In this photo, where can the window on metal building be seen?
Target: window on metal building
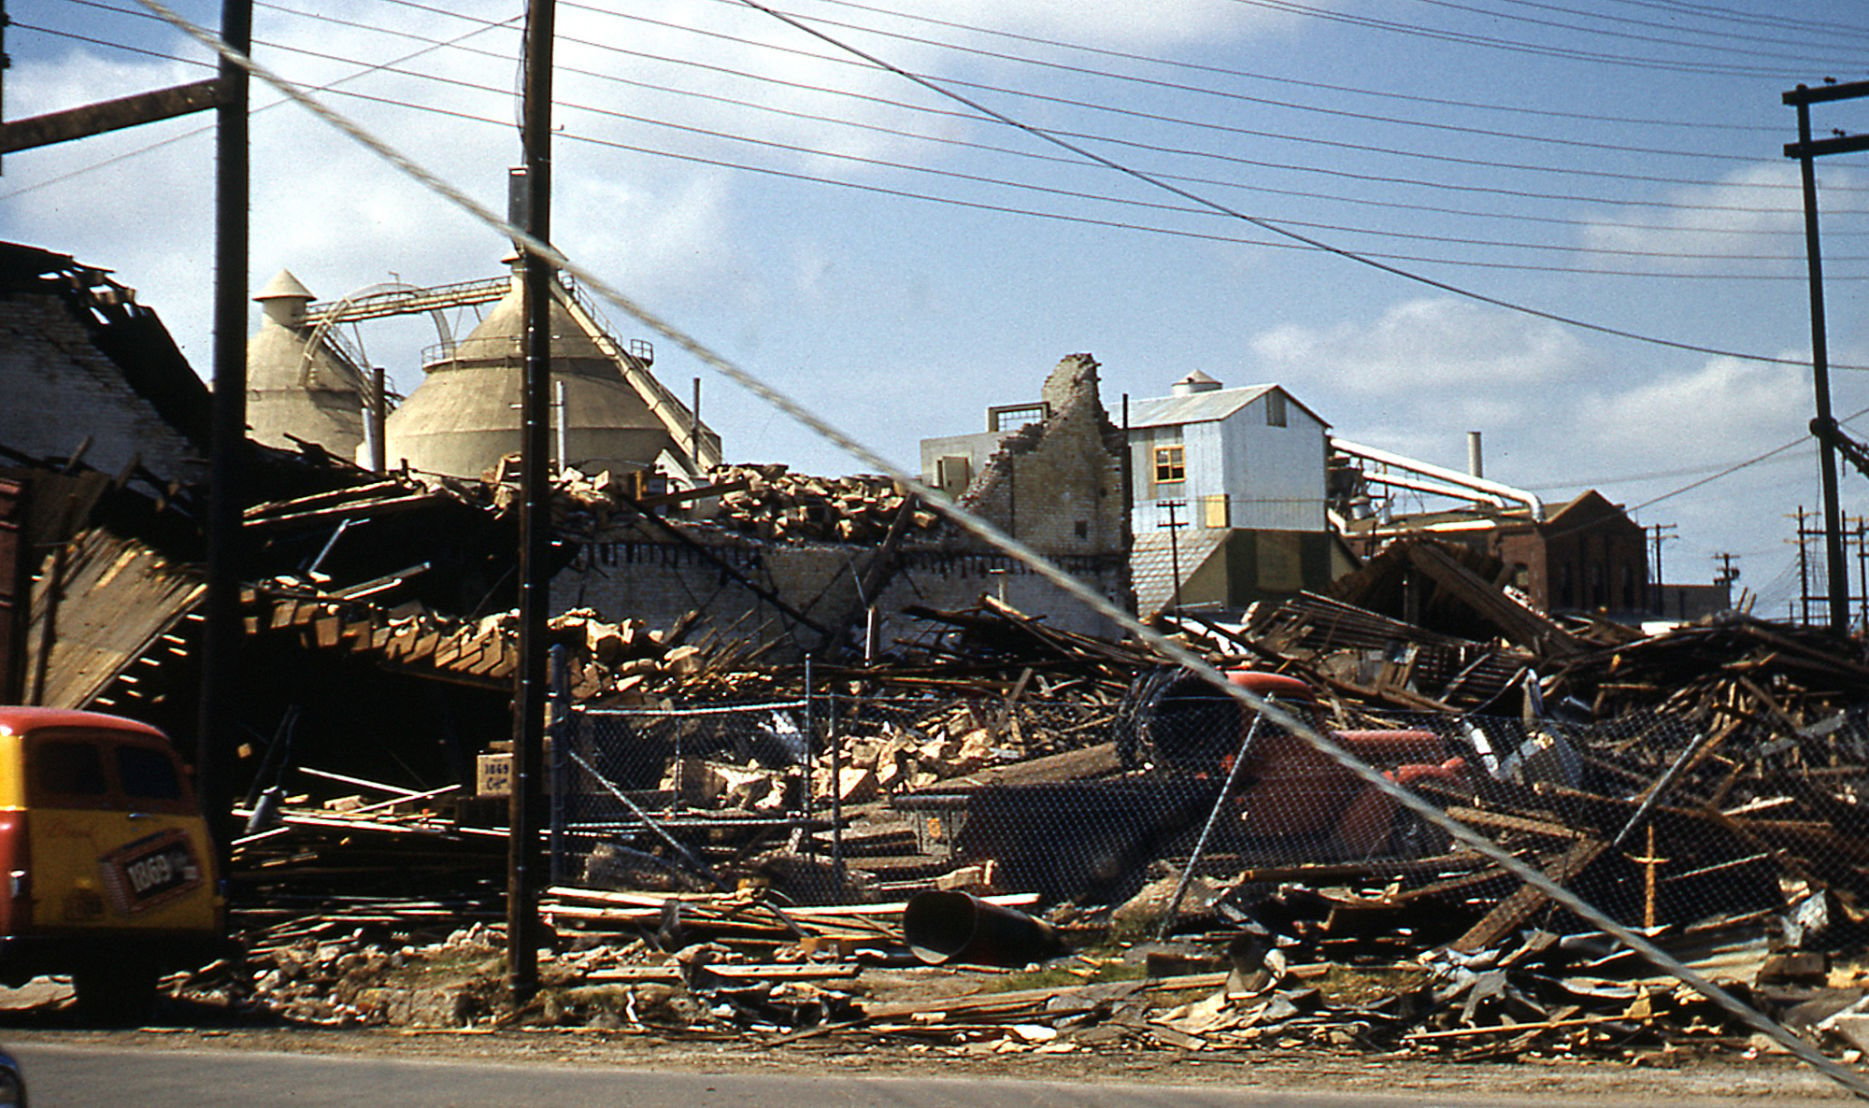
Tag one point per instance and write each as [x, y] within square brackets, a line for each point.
[1171, 464]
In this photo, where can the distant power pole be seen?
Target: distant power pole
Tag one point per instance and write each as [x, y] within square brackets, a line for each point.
[1728, 572]
[1173, 527]
[1804, 569]
[1658, 536]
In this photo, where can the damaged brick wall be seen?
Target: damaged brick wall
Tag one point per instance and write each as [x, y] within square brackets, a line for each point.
[1057, 485]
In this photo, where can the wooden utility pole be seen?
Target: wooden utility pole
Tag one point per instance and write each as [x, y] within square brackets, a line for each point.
[1807, 152]
[1659, 535]
[1173, 527]
[222, 630]
[530, 695]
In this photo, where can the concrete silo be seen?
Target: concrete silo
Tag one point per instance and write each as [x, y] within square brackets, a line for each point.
[609, 411]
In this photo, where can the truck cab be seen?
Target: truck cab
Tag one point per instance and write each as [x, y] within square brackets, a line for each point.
[107, 872]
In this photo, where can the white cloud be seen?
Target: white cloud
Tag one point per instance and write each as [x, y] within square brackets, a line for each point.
[1724, 411]
[1427, 344]
[1132, 27]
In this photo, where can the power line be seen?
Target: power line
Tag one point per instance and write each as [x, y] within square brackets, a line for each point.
[1786, 187]
[1387, 179]
[1245, 98]
[1311, 140]
[1079, 195]
[1519, 47]
[1073, 194]
[1264, 224]
[1298, 82]
[1802, 56]
[1076, 194]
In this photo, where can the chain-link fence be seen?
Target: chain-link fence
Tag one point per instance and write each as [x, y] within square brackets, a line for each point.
[1656, 822]
[659, 798]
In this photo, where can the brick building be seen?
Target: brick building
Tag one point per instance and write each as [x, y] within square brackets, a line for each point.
[1586, 555]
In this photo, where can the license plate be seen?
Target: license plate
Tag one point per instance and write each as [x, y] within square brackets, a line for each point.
[150, 871]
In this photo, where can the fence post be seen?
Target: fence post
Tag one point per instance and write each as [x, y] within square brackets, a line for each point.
[559, 735]
[811, 744]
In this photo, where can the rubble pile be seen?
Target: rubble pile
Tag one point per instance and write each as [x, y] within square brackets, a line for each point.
[1704, 784]
[771, 502]
[739, 967]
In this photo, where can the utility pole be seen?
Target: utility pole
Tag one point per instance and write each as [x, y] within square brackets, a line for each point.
[1804, 571]
[223, 628]
[530, 695]
[1862, 566]
[1807, 152]
[1728, 572]
[1659, 535]
[1174, 526]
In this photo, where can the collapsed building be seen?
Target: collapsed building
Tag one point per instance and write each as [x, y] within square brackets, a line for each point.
[1703, 785]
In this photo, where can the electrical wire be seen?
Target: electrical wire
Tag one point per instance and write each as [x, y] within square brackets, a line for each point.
[1519, 47]
[198, 131]
[1240, 97]
[1265, 224]
[932, 82]
[1386, 179]
[1074, 194]
[1801, 56]
[1225, 71]
[1079, 195]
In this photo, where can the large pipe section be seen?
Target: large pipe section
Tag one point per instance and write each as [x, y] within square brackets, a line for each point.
[1441, 473]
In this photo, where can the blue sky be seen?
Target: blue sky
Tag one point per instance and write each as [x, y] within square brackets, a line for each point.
[899, 264]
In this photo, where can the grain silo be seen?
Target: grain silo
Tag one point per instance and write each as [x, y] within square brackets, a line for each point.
[609, 410]
[299, 384]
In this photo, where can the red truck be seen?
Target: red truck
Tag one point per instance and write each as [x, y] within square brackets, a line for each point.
[1287, 792]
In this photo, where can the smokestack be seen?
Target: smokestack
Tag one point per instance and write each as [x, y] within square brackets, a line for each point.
[1475, 466]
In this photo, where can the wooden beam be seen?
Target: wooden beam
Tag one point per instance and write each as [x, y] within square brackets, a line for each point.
[109, 115]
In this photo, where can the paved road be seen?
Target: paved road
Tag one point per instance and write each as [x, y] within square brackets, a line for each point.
[61, 1076]
[86, 1076]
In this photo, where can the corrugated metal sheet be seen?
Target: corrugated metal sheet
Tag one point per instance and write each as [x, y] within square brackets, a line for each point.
[1200, 407]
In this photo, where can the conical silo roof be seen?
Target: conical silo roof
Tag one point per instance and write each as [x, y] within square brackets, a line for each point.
[465, 415]
[298, 384]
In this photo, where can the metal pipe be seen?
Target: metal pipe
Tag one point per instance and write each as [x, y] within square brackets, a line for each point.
[379, 422]
[562, 406]
[1451, 476]
[1213, 817]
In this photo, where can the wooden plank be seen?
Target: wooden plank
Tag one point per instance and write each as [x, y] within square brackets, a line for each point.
[1519, 907]
[109, 115]
[1501, 821]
